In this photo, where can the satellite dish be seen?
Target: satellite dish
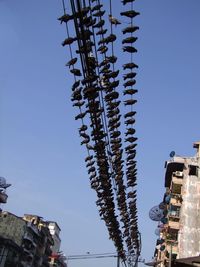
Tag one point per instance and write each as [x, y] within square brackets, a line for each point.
[172, 154]
[155, 213]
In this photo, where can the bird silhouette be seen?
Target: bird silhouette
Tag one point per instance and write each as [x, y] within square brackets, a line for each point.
[76, 72]
[130, 102]
[97, 7]
[101, 32]
[129, 49]
[129, 75]
[113, 20]
[130, 29]
[127, 1]
[130, 13]
[129, 83]
[71, 62]
[129, 40]
[65, 18]
[130, 131]
[130, 91]
[79, 104]
[99, 13]
[112, 59]
[130, 66]
[80, 116]
[68, 41]
[130, 114]
[130, 121]
[99, 24]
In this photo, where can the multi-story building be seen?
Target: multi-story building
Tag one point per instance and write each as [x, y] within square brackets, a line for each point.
[28, 242]
[179, 225]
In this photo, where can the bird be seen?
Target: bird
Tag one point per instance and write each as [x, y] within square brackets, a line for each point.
[129, 49]
[75, 85]
[79, 104]
[113, 74]
[76, 72]
[99, 24]
[88, 158]
[130, 131]
[97, 7]
[111, 96]
[131, 139]
[130, 91]
[127, 1]
[130, 66]
[129, 147]
[65, 18]
[71, 62]
[130, 121]
[68, 41]
[113, 105]
[129, 83]
[80, 116]
[85, 141]
[102, 49]
[130, 102]
[129, 75]
[130, 114]
[113, 20]
[83, 128]
[129, 40]
[99, 13]
[113, 112]
[101, 32]
[112, 59]
[130, 13]
[130, 29]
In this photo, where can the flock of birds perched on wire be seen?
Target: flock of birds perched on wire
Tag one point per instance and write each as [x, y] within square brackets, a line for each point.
[97, 93]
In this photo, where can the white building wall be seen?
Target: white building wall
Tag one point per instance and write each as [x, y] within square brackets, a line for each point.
[189, 233]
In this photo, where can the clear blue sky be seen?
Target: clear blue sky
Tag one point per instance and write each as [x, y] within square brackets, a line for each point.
[40, 151]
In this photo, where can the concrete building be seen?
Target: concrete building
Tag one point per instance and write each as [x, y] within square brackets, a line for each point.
[179, 226]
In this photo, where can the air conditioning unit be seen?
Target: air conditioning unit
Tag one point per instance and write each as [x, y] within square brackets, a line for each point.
[178, 174]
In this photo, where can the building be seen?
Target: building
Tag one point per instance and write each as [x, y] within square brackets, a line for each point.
[179, 212]
[27, 242]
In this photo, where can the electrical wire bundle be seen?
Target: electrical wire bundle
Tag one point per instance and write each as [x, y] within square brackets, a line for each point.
[96, 94]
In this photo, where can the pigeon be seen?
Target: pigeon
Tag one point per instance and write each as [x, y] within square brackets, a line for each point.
[83, 128]
[130, 102]
[131, 139]
[97, 7]
[129, 83]
[102, 32]
[113, 20]
[129, 40]
[129, 75]
[130, 91]
[99, 24]
[79, 104]
[113, 74]
[129, 49]
[130, 114]
[65, 18]
[76, 72]
[68, 41]
[75, 85]
[80, 116]
[130, 66]
[127, 1]
[130, 29]
[130, 13]
[71, 62]
[99, 13]
[130, 131]
[102, 49]
[130, 121]
[112, 59]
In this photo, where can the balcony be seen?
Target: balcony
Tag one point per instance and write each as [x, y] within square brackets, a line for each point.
[174, 224]
[176, 200]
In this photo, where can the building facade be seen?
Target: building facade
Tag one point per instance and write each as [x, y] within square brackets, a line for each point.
[179, 222]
